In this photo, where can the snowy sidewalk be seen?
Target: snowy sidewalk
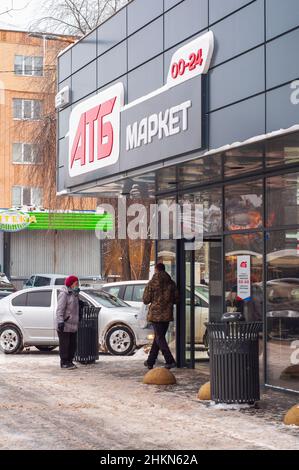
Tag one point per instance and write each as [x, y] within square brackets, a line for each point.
[106, 406]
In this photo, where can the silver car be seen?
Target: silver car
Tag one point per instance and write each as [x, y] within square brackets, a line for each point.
[27, 318]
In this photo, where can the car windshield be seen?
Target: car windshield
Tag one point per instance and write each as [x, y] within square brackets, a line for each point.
[203, 291]
[105, 299]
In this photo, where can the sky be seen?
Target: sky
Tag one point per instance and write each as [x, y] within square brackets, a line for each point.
[21, 19]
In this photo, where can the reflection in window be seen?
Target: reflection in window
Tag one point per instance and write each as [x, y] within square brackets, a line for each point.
[244, 206]
[283, 309]
[202, 170]
[283, 150]
[237, 246]
[243, 159]
[283, 200]
[212, 209]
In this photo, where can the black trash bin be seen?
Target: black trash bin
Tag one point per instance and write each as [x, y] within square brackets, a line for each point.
[87, 351]
[234, 360]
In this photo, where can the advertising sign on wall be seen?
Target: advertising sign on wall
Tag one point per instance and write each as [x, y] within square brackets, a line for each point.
[243, 277]
[107, 137]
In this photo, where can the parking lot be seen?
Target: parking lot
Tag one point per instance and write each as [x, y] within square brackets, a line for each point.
[106, 406]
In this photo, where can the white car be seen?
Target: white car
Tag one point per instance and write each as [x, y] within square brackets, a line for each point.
[27, 318]
[42, 280]
[129, 291]
[132, 293]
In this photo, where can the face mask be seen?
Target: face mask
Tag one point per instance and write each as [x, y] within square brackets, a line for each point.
[75, 290]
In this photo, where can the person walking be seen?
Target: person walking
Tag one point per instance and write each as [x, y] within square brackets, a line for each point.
[67, 321]
[160, 294]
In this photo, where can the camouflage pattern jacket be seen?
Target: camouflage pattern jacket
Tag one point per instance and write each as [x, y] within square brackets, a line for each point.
[161, 294]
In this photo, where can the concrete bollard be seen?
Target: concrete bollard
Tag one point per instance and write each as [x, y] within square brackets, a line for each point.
[159, 376]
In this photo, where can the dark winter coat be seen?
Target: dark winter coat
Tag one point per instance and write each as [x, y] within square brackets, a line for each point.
[68, 310]
[161, 294]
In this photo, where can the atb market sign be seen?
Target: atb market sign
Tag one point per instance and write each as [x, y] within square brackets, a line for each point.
[107, 137]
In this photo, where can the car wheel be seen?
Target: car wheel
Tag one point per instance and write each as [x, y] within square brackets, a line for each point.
[46, 348]
[120, 341]
[11, 341]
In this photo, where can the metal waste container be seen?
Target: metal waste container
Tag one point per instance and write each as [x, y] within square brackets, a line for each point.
[87, 351]
[234, 360]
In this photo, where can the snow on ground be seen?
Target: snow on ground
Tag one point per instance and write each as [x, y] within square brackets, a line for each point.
[106, 406]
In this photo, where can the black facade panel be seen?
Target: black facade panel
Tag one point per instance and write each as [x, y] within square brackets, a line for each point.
[281, 111]
[139, 13]
[145, 44]
[84, 52]
[185, 20]
[145, 79]
[281, 16]
[113, 64]
[84, 82]
[237, 122]
[237, 79]
[65, 65]
[282, 59]
[239, 32]
[112, 31]
[221, 8]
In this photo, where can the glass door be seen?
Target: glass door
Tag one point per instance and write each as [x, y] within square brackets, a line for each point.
[202, 297]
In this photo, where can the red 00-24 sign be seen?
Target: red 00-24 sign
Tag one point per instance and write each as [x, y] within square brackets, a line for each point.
[180, 67]
[191, 60]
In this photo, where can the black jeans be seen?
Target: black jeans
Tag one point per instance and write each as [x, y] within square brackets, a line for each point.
[67, 347]
[160, 344]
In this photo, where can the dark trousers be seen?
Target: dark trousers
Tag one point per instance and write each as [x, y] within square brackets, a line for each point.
[67, 347]
[160, 344]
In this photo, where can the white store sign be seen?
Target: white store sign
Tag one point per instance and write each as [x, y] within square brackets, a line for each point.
[243, 277]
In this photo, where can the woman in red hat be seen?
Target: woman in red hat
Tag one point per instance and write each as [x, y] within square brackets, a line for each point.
[67, 321]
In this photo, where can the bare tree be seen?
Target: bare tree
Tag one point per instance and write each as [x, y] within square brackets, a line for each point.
[11, 8]
[75, 17]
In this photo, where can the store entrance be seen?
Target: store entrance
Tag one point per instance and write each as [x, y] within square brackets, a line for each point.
[201, 299]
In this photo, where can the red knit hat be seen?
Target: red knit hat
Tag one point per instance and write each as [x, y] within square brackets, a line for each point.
[70, 280]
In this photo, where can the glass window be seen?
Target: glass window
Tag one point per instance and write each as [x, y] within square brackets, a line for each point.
[17, 153]
[283, 200]
[27, 109]
[283, 309]
[16, 196]
[138, 293]
[244, 206]
[28, 65]
[243, 160]
[203, 170]
[283, 150]
[113, 290]
[19, 301]
[211, 202]
[59, 281]
[30, 283]
[27, 114]
[244, 275]
[106, 300]
[17, 109]
[26, 197]
[41, 281]
[39, 299]
[128, 293]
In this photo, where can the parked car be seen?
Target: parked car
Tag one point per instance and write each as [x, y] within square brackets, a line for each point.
[132, 293]
[27, 318]
[129, 291]
[6, 285]
[42, 280]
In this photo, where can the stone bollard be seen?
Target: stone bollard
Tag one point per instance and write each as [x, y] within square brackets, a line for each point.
[292, 416]
[204, 393]
[159, 376]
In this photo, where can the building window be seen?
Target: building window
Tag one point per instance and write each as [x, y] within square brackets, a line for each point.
[27, 109]
[283, 200]
[29, 66]
[25, 153]
[244, 206]
[25, 196]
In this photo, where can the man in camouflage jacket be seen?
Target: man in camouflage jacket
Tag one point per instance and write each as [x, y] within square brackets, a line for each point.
[161, 294]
